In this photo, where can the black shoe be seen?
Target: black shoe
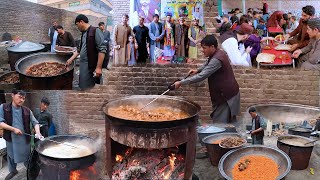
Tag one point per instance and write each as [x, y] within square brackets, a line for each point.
[11, 175]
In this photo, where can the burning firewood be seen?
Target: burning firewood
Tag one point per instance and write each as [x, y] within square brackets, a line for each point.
[134, 172]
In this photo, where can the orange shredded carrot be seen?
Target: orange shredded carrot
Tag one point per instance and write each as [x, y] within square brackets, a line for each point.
[216, 141]
[259, 167]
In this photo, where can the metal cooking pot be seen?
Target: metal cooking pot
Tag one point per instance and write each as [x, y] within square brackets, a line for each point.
[300, 131]
[61, 81]
[229, 160]
[214, 150]
[165, 101]
[22, 49]
[41, 145]
[6, 86]
[48, 164]
[285, 112]
[298, 153]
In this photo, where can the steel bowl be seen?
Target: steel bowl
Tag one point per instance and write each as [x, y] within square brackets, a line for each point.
[204, 131]
[229, 160]
[69, 52]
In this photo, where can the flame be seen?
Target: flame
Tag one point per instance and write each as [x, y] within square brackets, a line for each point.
[172, 158]
[83, 174]
[75, 175]
[119, 158]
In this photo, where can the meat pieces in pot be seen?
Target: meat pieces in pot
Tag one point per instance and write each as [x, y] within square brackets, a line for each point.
[156, 114]
[46, 69]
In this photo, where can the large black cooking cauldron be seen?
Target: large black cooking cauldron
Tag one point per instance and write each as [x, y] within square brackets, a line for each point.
[21, 50]
[164, 101]
[8, 86]
[61, 81]
[299, 131]
[297, 149]
[53, 168]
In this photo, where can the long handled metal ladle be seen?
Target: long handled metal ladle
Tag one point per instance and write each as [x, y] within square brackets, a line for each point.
[161, 94]
[311, 142]
[63, 143]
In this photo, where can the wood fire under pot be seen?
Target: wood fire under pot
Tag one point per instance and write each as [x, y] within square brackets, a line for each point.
[180, 134]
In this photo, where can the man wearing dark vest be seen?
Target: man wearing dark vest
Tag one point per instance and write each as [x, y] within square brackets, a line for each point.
[258, 127]
[16, 119]
[92, 51]
[223, 87]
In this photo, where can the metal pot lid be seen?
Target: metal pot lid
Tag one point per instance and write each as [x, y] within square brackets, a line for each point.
[210, 129]
[26, 46]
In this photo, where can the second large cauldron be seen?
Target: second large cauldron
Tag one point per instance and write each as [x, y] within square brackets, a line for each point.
[44, 166]
[21, 50]
[149, 134]
[62, 81]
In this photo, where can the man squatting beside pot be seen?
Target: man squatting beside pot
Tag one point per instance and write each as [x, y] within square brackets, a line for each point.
[15, 120]
[92, 51]
[223, 87]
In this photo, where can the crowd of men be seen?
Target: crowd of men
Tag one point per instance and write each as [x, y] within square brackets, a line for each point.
[174, 39]
[302, 34]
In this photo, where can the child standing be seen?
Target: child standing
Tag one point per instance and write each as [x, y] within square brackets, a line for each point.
[261, 28]
[132, 47]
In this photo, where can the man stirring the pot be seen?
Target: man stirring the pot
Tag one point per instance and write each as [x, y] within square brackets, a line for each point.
[15, 120]
[223, 87]
[258, 127]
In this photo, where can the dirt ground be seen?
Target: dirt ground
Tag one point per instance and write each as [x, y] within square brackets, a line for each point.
[205, 171]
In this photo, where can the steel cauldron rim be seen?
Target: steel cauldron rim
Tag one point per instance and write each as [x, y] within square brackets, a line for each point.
[151, 97]
[93, 150]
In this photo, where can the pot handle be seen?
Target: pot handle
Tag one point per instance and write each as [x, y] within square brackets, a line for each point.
[105, 102]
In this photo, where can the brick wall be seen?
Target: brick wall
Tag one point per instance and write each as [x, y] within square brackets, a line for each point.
[256, 86]
[31, 21]
[56, 107]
